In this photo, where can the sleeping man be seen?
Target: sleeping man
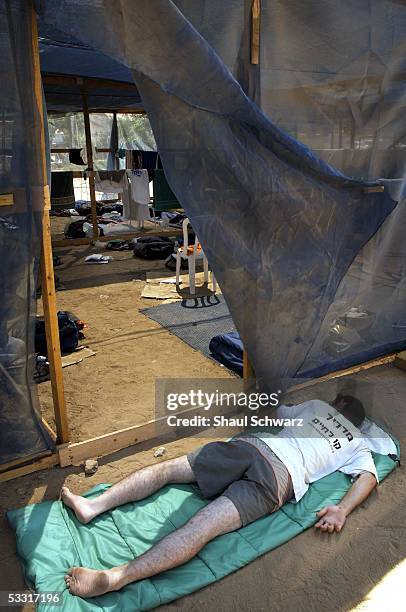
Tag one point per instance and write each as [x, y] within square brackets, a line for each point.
[246, 478]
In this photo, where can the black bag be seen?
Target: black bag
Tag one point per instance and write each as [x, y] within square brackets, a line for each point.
[68, 333]
[153, 247]
[75, 229]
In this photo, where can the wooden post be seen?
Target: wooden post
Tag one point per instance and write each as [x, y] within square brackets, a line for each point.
[255, 31]
[90, 166]
[47, 268]
[248, 371]
[114, 144]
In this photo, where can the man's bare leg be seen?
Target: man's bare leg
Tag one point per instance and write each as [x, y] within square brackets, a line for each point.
[220, 516]
[137, 486]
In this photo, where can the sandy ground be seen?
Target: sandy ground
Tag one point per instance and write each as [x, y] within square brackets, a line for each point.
[116, 387]
[359, 569]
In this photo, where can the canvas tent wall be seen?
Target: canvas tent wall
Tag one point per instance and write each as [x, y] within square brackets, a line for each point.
[294, 237]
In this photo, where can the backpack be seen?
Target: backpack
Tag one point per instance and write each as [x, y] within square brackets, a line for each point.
[68, 333]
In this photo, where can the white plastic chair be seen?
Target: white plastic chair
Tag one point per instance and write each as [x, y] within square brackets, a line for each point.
[191, 253]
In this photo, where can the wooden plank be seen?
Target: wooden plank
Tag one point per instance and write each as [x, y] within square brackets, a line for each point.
[77, 452]
[121, 111]
[49, 429]
[145, 232]
[41, 464]
[115, 143]
[374, 189]
[255, 31]
[63, 242]
[352, 370]
[23, 460]
[47, 268]
[89, 150]
[248, 371]
[89, 82]
[6, 199]
[400, 360]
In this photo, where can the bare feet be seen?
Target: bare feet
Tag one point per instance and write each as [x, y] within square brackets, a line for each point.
[81, 506]
[91, 583]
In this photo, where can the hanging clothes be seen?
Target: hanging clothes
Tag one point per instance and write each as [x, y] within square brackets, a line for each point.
[136, 196]
[75, 157]
[62, 191]
[109, 181]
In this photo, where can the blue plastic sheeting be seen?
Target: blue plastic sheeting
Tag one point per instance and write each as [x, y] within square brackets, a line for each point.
[64, 55]
[20, 235]
[279, 225]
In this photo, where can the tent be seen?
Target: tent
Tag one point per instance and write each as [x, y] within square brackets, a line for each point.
[280, 127]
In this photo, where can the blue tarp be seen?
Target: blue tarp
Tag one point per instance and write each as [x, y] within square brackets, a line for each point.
[21, 433]
[280, 226]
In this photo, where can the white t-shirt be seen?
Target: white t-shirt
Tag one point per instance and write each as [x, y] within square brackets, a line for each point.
[324, 442]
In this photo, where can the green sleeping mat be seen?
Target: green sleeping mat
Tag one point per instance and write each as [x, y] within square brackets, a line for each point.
[50, 540]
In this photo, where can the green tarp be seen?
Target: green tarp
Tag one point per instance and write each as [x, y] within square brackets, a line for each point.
[50, 540]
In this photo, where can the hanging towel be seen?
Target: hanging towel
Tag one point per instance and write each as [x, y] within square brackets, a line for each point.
[136, 197]
[139, 186]
[109, 181]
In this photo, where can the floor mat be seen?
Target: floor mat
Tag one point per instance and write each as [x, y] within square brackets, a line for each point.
[50, 540]
[195, 321]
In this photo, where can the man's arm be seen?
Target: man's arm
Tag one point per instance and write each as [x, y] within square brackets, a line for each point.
[332, 518]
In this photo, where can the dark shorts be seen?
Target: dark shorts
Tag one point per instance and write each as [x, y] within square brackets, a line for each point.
[240, 472]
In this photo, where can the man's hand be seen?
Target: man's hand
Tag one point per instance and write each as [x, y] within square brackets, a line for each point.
[332, 518]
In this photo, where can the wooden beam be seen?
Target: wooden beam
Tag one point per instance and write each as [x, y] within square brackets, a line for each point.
[248, 370]
[89, 150]
[89, 82]
[400, 360]
[77, 452]
[49, 429]
[255, 31]
[115, 143]
[352, 370]
[6, 199]
[41, 464]
[47, 268]
[63, 242]
[121, 111]
[4, 467]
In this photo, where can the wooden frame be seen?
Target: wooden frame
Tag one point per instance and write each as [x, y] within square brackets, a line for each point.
[72, 453]
[76, 453]
[84, 84]
[255, 31]
[41, 464]
[144, 232]
[46, 263]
